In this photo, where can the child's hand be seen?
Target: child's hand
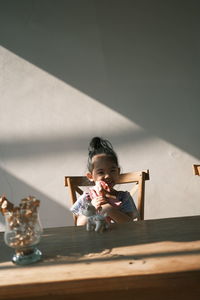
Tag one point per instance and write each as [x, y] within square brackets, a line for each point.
[111, 197]
[101, 193]
[111, 193]
[98, 201]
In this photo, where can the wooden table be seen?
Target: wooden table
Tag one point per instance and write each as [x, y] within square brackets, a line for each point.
[152, 259]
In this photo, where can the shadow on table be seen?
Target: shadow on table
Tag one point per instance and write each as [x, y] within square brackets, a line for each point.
[94, 247]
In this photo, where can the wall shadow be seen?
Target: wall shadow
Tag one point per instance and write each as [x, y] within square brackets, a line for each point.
[49, 208]
[139, 58]
[62, 144]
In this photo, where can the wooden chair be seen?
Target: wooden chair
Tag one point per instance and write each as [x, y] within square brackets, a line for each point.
[137, 178]
[196, 170]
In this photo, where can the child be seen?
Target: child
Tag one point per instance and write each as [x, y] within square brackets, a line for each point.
[103, 169]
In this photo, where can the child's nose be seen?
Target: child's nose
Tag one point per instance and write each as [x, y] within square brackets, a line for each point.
[107, 176]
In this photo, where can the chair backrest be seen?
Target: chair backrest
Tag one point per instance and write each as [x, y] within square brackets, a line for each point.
[136, 178]
[196, 170]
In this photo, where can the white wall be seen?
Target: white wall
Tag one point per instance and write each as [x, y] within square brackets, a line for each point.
[124, 70]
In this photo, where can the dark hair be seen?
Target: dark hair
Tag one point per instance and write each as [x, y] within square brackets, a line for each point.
[100, 146]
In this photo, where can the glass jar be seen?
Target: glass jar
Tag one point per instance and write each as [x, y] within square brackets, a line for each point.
[22, 233]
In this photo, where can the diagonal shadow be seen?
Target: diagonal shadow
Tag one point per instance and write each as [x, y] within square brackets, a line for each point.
[60, 144]
[146, 66]
[72, 250]
[49, 208]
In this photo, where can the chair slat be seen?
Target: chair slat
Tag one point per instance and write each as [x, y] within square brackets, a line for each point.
[196, 169]
[79, 181]
[132, 177]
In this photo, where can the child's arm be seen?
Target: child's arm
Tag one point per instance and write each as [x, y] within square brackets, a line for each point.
[116, 215]
[81, 220]
[126, 212]
[98, 201]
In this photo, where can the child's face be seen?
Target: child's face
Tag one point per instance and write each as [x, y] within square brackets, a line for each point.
[104, 169]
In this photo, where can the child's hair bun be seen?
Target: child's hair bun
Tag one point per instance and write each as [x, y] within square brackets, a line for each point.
[99, 145]
[95, 143]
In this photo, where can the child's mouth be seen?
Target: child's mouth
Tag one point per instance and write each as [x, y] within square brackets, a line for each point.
[109, 183]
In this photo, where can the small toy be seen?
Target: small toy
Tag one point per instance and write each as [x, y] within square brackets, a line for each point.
[95, 221]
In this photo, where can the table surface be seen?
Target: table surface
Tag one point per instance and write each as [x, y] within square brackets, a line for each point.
[138, 257]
